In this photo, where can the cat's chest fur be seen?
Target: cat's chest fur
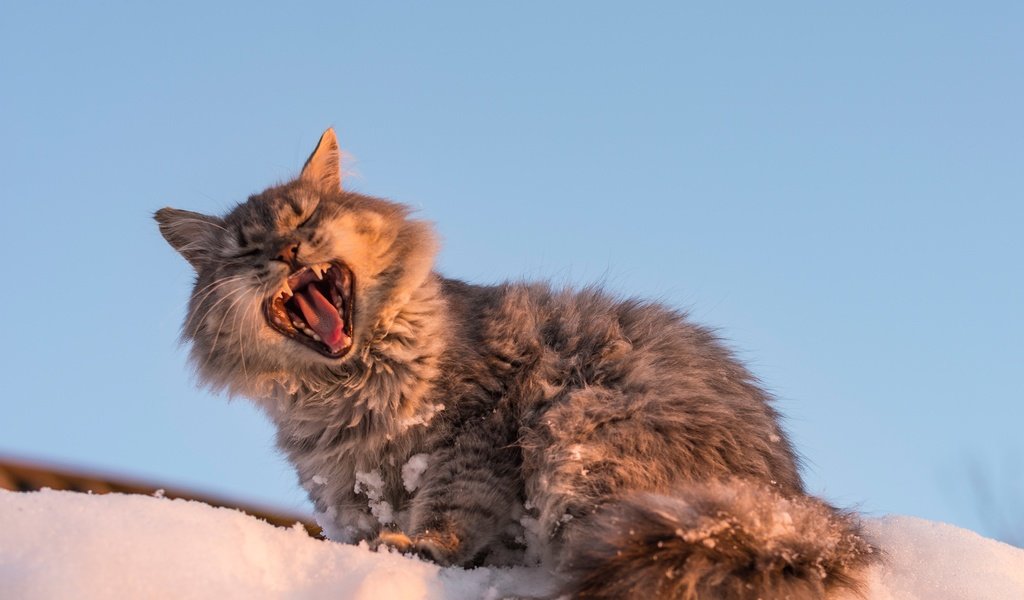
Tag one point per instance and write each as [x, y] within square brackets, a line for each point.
[357, 489]
[352, 467]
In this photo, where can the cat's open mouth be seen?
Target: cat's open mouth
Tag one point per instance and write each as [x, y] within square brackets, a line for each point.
[315, 308]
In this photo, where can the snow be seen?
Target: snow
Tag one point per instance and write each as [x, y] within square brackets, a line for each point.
[70, 545]
[929, 560]
[423, 417]
[371, 485]
[412, 470]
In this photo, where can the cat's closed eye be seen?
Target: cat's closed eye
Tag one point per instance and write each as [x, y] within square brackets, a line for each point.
[240, 238]
[308, 218]
[244, 250]
[247, 253]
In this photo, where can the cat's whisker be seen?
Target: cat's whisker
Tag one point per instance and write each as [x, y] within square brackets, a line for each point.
[205, 315]
[220, 327]
[200, 295]
[255, 329]
[220, 281]
[186, 327]
[231, 294]
[241, 345]
[198, 301]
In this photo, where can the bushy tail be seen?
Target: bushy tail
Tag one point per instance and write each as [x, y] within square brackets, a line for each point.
[727, 541]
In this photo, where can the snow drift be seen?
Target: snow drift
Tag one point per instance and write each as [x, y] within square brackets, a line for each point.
[71, 545]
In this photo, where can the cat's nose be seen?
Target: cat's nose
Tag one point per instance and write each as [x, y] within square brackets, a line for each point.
[289, 254]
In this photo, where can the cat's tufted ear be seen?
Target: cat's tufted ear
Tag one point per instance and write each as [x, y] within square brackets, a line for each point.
[323, 167]
[192, 234]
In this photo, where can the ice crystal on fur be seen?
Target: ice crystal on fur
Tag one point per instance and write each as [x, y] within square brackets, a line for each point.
[612, 438]
[412, 470]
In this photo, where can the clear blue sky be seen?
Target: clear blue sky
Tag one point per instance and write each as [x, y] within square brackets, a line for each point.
[837, 187]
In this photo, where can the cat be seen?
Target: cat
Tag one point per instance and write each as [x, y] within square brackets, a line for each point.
[609, 439]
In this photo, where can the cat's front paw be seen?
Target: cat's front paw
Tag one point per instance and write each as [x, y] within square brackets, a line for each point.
[392, 540]
[440, 548]
[436, 547]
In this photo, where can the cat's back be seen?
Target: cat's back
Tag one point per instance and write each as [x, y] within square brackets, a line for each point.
[589, 335]
[573, 357]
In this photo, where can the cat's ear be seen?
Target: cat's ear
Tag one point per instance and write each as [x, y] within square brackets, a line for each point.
[323, 167]
[192, 234]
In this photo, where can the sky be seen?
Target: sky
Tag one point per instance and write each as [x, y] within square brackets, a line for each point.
[836, 188]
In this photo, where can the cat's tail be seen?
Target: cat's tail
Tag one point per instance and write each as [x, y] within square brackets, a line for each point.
[727, 541]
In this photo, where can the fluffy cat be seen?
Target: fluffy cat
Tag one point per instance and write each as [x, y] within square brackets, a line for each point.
[612, 439]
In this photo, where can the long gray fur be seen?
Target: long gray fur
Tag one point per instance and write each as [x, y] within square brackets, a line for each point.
[612, 439]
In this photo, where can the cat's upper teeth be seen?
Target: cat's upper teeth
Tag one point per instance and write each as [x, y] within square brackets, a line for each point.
[320, 269]
[286, 291]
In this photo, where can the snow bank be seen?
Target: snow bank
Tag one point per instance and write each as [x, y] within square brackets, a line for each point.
[935, 561]
[69, 545]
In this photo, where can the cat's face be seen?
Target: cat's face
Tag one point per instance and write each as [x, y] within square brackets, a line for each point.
[297, 277]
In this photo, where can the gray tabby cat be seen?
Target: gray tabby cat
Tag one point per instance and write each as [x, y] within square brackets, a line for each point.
[612, 439]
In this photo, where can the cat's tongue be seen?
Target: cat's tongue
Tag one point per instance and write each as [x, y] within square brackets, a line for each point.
[322, 317]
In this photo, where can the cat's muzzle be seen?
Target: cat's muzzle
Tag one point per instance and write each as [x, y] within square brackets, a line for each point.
[315, 307]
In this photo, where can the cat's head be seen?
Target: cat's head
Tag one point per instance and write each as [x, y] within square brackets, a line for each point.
[298, 277]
